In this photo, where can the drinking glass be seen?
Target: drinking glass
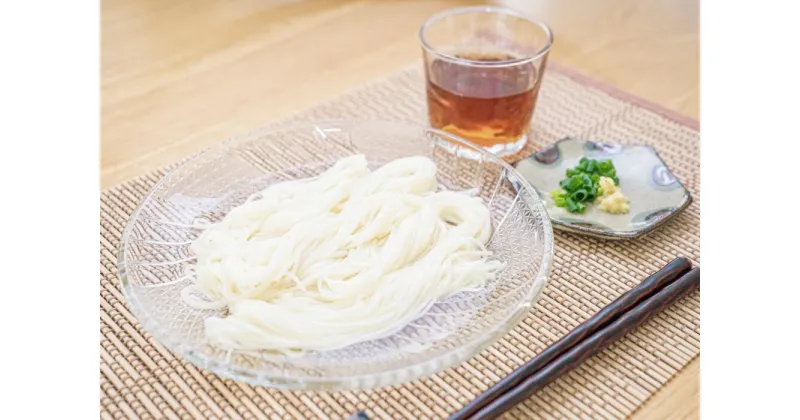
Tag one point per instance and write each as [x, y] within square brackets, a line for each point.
[483, 70]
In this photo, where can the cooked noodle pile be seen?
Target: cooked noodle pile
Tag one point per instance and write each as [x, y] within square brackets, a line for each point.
[347, 256]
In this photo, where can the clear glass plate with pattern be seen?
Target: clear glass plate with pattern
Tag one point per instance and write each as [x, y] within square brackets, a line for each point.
[155, 252]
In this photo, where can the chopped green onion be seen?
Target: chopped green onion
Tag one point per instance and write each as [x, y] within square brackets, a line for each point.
[574, 183]
[559, 197]
[582, 184]
[579, 195]
[571, 206]
[586, 180]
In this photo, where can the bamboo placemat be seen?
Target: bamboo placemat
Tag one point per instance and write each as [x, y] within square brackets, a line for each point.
[140, 379]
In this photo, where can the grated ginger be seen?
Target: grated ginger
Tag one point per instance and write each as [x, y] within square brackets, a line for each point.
[611, 199]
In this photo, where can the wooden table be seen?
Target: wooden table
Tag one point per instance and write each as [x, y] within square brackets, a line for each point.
[180, 75]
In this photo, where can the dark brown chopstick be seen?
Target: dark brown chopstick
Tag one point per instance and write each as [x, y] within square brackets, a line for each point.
[592, 345]
[650, 286]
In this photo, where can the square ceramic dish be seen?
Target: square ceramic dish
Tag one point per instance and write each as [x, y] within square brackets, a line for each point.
[656, 195]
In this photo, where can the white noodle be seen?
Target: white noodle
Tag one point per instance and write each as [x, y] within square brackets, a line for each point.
[348, 256]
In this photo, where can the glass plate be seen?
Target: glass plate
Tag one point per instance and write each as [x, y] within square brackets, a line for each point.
[155, 252]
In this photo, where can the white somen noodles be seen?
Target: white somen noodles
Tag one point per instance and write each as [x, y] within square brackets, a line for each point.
[347, 256]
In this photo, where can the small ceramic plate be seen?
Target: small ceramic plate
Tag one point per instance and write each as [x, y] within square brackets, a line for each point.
[655, 194]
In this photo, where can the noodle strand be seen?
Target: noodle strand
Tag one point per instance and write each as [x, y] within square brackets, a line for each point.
[348, 256]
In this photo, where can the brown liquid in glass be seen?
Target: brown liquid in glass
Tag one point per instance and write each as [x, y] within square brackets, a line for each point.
[486, 105]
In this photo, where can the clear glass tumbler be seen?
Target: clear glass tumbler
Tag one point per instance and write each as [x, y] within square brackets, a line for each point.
[483, 70]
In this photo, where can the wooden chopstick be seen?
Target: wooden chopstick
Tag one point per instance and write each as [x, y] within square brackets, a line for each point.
[647, 288]
[592, 345]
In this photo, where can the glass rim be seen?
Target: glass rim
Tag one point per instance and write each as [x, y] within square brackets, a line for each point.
[485, 9]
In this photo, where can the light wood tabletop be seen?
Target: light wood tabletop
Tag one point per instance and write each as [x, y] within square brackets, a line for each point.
[181, 75]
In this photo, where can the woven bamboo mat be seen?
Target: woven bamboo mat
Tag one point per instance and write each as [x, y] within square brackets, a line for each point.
[140, 379]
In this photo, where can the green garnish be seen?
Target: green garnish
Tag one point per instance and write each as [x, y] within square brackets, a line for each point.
[582, 184]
